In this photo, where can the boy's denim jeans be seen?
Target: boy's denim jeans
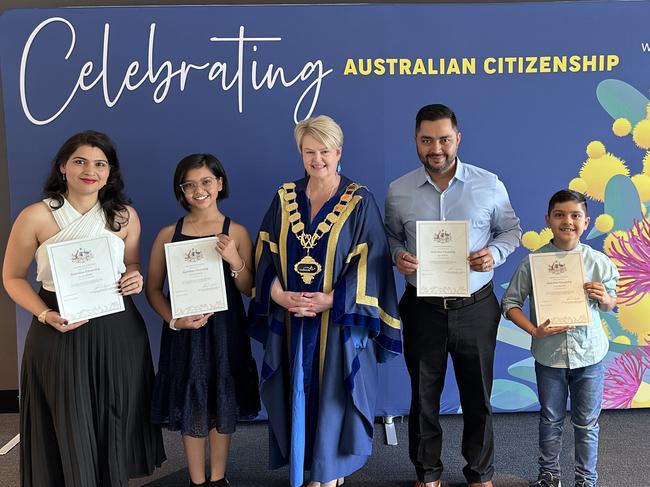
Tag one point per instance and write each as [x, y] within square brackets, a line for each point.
[585, 386]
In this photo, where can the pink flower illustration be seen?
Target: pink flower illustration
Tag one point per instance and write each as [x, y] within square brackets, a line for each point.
[624, 376]
[632, 256]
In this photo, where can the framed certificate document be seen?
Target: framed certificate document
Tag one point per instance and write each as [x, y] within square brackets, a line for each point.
[85, 279]
[558, 279]
[442, 251]
[195, 276]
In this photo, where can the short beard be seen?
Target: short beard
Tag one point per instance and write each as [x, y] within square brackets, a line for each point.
[438, 169]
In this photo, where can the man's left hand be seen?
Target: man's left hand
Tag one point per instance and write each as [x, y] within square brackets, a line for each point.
[481, 261]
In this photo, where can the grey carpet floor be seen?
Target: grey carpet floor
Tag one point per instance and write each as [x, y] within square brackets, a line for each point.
[624, 455]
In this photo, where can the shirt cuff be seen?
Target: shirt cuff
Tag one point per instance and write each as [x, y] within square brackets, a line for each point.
[397, 251]
[496, 255]
[505, 307]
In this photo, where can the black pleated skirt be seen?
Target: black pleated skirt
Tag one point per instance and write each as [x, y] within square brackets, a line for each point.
[85, 398]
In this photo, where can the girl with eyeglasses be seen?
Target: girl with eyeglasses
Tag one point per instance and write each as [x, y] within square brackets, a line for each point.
[207, 378]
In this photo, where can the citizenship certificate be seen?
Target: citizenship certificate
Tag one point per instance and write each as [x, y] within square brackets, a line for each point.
[195, 276]
[558, 279]
[442, 251]
[85, 279]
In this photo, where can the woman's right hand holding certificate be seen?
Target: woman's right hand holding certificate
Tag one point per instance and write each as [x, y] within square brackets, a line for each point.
[56, 321]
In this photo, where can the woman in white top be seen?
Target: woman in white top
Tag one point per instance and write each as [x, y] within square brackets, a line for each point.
[85, 386]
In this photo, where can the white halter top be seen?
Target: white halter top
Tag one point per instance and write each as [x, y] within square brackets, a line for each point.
[74, 225]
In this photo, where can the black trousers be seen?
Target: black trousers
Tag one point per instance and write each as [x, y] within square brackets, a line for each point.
[468, 335]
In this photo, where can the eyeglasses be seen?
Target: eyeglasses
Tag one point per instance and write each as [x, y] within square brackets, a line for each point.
[191, 186]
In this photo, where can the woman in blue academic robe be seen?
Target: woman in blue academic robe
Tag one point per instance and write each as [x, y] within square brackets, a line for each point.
[325, 310]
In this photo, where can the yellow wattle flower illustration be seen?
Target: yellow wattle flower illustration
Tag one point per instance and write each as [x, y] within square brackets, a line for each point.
[621, 127]
[531, 240]
[641, 134]
[579, 185]
[596, 149]
[604, 223]
[598, 171]
[545, 236]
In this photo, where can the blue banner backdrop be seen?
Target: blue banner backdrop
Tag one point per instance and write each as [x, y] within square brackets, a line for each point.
[537, 89]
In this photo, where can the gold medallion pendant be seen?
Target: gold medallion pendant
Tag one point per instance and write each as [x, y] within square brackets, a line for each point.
[307, 268]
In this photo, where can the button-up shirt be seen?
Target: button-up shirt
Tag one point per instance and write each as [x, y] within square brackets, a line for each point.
[473, 194]
[582, 345]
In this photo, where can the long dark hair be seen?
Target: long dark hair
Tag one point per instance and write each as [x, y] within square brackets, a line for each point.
[111, 197]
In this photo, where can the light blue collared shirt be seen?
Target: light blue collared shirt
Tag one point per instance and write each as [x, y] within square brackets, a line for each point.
[583, 345]
[473, 194]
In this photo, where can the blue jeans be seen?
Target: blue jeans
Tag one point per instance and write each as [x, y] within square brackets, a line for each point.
[585, 385]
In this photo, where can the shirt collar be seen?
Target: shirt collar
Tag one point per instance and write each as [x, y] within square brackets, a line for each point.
[577, 248]
[461, 173]
[461, 170]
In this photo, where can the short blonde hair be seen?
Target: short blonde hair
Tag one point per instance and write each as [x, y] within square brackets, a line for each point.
[322, 128]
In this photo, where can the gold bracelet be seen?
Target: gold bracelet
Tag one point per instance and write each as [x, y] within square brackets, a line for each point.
[42, 315]
[238, 271]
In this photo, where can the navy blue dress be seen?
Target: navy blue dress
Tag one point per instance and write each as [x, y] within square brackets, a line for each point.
[207, 377]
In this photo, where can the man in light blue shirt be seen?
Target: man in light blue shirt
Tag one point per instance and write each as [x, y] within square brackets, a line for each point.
[445, 188]
[568, 360]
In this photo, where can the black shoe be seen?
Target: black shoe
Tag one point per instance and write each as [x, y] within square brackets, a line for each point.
[219, 483]
[204, 484]
[547, 479]
[584, 483]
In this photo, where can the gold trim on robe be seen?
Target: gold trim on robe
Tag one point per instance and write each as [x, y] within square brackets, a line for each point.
[362, 298]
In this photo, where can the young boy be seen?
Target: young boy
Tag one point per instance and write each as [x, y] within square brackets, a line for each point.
[568, 360]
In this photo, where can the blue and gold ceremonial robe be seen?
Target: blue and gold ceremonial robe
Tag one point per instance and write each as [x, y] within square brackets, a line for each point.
[319, 376]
